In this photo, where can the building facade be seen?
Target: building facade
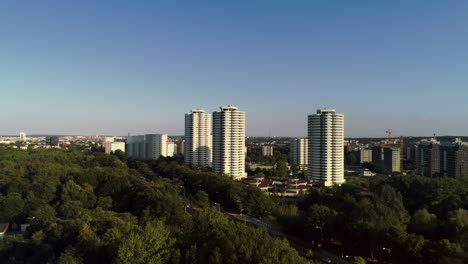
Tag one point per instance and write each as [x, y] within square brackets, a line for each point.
[299, 152]
[326, 147]
[22, 136]
[267, 151]
[453, 159]
[113, 146]
[386, 159]
[197, 145]
[149, 146]
[428, 158]
[229, 142]
[171, 148]
[365, 156]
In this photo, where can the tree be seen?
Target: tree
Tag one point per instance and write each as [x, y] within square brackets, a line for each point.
[281, 169]
[12, 205]
[151, 244]
[201, 199]
[358, 260]
[70, 256]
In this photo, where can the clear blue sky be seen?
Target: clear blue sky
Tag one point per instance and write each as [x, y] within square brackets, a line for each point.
[112, 67]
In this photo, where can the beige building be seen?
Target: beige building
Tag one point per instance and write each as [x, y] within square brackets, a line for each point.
[299, 152]
[229, 142]
[326, 147]
[197, 144]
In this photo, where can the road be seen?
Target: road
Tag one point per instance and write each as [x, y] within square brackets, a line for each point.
[300, 245]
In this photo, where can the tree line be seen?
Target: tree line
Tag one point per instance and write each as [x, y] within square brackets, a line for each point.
[89, 207]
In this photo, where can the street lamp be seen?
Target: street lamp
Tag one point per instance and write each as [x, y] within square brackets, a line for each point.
[389, 251]
[321, 234]
[183, 187]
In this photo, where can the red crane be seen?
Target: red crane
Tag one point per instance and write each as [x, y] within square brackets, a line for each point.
[389, 133]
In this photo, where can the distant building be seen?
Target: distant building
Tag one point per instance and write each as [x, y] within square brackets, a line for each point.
[171, 149]
[197, 145]
[53, 141]
[453, 159]
[299, 152]
[104, 140]
[229, 142]
[182, 147]
[156, 146]
[267, 151]
[22, 136]
[149, 146]
[365, 156]
[114, 146]
[428, 158]
[386, 159]
[326, 147]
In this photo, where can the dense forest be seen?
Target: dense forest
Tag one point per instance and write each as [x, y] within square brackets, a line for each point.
[89, 207]
[407, 219]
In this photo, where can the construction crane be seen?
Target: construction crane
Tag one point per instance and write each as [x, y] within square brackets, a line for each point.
[389, 133]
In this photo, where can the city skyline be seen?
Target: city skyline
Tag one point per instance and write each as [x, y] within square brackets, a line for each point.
[107, 68]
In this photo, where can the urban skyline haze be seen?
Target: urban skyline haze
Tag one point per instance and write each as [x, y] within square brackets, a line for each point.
[113, 67]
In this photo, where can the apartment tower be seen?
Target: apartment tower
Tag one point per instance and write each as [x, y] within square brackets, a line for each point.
[229, 142]
[299, 152]
[197, 145]
[326, 147]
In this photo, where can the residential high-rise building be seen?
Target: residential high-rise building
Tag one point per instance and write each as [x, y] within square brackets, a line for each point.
[156, 146]
[197, 146]
[299, 152]
[326, 147]
[386, 158]
[136, 147]
[229, 142]
[149, 146]
[365, 155]
[267, 150]
[22, 136]
[428, 158]
[453, 159]
[171, 148]
[53, 141]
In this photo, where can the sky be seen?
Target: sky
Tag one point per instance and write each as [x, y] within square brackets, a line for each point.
[112, 67]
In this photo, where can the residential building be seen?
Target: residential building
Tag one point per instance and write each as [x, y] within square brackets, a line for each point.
[365, 156]
[453, 159]
[229, 142]
[156, 146]
[428, 158]
[149, 146]
[114, 146]
[326, 147]
[267, 150]
[53, 141]
[197, 145]
[171, 149]
[299, 152]
[386, 159]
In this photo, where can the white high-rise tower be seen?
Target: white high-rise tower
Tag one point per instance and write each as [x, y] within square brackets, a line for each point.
[197, 145]
[326, 147]
[299, 152]
[229, 142]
